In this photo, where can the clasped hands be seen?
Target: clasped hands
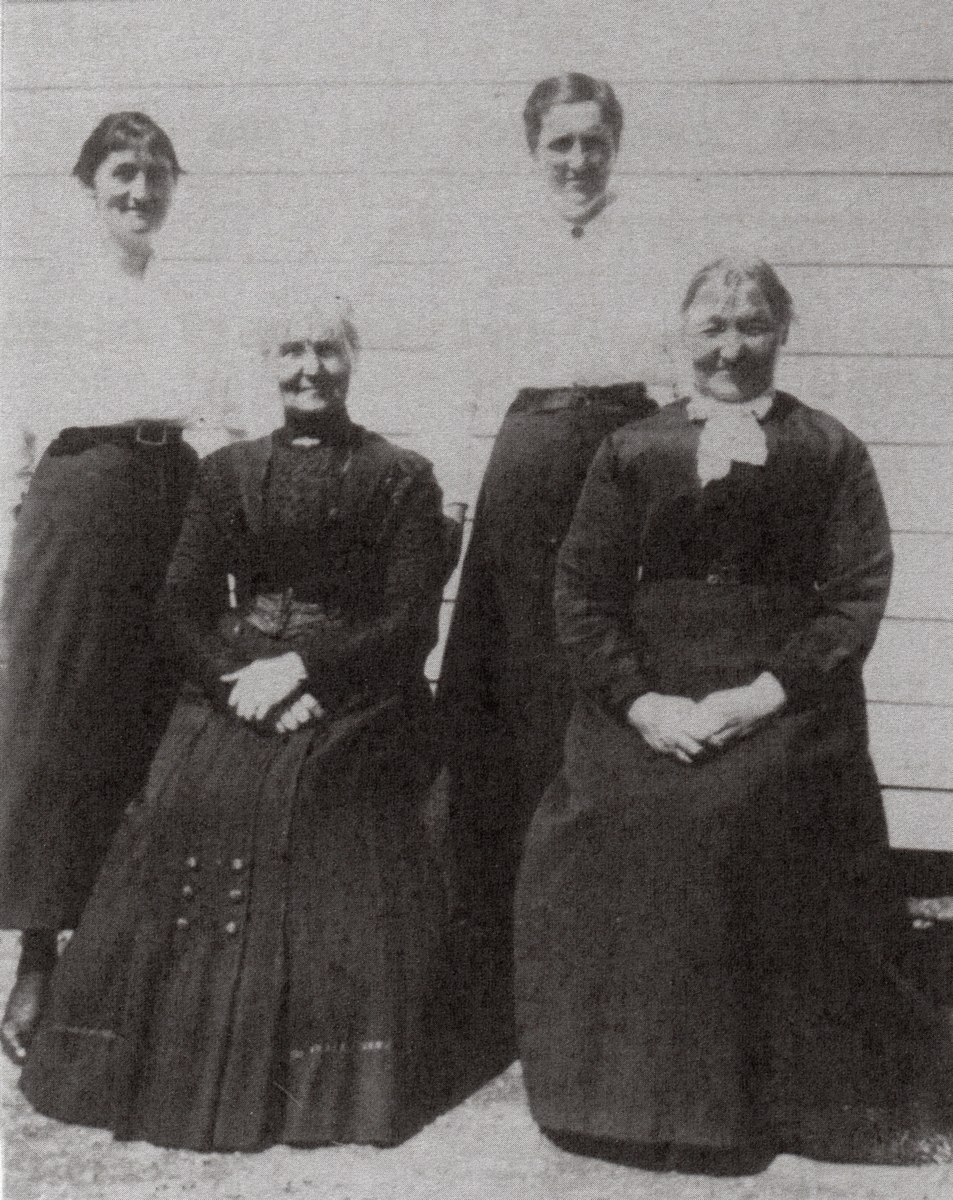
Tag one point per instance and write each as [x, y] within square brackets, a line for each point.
[261, 687]
[684, 728]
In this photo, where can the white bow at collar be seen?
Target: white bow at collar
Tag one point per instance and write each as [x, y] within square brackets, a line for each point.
[730, 433]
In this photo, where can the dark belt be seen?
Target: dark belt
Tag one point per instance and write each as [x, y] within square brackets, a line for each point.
[616, 395]
[140, 435]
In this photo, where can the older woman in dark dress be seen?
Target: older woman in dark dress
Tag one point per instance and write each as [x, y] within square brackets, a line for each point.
[257, 958]
[705, 931]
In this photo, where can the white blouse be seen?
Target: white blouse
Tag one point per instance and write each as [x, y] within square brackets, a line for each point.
[86, 344]
[556, 309]
[729, 433]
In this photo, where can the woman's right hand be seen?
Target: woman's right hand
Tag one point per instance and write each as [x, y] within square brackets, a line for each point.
[666, 722]
[261, 685]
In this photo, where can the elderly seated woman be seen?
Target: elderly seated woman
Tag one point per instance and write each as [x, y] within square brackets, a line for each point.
[706, 938]
[255, 961]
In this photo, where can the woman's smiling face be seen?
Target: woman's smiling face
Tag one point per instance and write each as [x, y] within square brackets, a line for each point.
[313, 371]
[732, 340]
[133, 191]
[575, 152]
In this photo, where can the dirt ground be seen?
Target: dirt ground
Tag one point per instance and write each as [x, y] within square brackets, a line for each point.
[485, 1149]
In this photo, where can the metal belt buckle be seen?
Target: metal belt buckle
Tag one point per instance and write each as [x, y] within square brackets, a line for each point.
[144, 428]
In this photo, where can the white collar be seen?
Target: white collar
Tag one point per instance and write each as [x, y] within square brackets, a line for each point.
[577, 221]
[706, 408]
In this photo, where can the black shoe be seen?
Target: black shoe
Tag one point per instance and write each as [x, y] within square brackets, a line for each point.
[22, 1014]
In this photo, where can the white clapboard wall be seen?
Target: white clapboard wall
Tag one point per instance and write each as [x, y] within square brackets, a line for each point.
[380, 135]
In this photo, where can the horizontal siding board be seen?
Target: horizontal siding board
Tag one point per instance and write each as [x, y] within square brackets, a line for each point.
[917, 483]
[473, 127]
[833, 219]
[400, 308]
[922, 586]
[881, 399]
[911, 663]
[910, 745]
[456, 39]
[873, 310]
[420, 219]
[919, 820]
[270, 218]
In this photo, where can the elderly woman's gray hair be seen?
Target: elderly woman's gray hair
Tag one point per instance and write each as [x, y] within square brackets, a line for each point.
[732, 271]
[297, 311]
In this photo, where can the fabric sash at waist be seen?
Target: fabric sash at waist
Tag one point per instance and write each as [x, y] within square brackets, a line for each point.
[617, 395]
[137, 435]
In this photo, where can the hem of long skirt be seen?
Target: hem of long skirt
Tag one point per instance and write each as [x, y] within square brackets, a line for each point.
[256, 1147]
[868, 1136]
[85, 1092]
[667, 1156]
[203, 1145]
[848, 1134]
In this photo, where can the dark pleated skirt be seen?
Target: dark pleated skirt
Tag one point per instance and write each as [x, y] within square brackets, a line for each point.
[87, 688]
[257, 962]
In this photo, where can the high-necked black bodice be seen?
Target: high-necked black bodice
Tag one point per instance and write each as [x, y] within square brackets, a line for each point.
[352, 524]
[808, 530]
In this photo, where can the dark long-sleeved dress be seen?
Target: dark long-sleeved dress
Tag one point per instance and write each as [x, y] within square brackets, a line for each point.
[705, 951]
[255, 963]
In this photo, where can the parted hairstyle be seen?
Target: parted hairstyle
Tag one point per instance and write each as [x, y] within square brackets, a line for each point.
[571, 88]
[123, 131]
[733, 271]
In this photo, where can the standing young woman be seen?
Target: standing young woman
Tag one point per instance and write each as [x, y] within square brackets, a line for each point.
[564, 311]
[87, 691]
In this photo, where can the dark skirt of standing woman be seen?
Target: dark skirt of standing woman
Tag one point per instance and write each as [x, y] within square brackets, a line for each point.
[88, 687]
[505, 694]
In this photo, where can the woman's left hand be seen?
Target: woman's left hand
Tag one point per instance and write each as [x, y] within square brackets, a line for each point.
[299, 713]
[735, 712]
[263, 684]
